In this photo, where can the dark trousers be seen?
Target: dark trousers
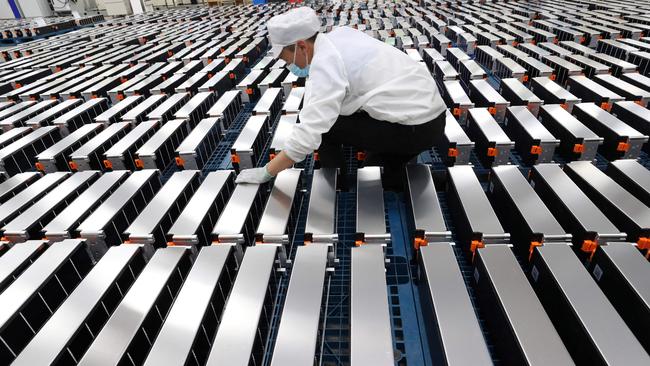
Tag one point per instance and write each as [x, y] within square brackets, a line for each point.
[386, 144]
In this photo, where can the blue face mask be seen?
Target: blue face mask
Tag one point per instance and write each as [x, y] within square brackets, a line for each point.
[301, 72]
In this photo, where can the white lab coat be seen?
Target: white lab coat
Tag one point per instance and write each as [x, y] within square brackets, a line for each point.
[351, 71]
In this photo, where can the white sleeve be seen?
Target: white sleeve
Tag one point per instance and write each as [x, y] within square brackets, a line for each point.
[324, 93]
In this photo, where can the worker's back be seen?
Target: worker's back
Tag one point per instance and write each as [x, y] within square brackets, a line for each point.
[383, 81]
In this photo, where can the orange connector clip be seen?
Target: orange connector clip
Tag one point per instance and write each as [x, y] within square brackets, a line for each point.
[73, 166]
[474, 245]
[419, 242]
[623, 147]
[492, 151]
[535, 150]
[139, 164]
[606, 106]
[179, 161]
[456, 112]
[492, 110]
[533, 244]
[452, 152]
[361, 156]
[108, 164]
[589, 246]
[39, 167]
[358, 243]
[234, 158]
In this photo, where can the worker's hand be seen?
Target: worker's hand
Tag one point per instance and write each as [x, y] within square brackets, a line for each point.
[255, 175]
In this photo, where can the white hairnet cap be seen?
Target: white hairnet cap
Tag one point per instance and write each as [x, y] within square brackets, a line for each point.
[288, 28]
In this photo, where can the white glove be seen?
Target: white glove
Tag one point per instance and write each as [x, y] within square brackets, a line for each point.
[254, 175]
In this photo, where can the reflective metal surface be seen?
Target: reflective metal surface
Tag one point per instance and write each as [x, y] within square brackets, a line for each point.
[17, 257]
[427, 213]
[238, 328]
[116, 335]
[273, 224]
[371, 221]
[455, 320]
[321, 217]
[297, 333]
[531, 328]
[370, 327]
[231, 220]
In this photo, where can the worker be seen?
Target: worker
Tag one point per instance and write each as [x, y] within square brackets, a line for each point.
[359, 92]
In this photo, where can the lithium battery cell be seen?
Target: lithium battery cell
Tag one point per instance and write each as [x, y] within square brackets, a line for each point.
[448, 305]
[13, 135]
[121, 154]
[55, 158]
[512, 52]
[488, 39]
[20, 155]
[219, 83]
[195, 222]
[590, 67]
[577, 48]
[428, 223]
[151, 293]
[633, 176]
[240, 217]
[533, 141]
[588, 226]
[269, 104]
[63, 225]
[475, 217]
[567, 34]
[195, 108]
[484, 95]
[455, 147]
[518, 95]
[273, 79]
[577, 141]
[235, 69]
[508, 68]
[615, 48]
[523, 213]
[642, 60]
[441, 43]
[249, 299]
[249, 86]
[487, 56]
[166, 110]
[492, 144]
[104, 226]
[89, 155]
[621, 140]
[291, 81]
[320, 225]
[457, 100]
[471, 70]
[58, 270]
[18, 119]
[152, 224]
[534, 51]
[535, 68]
[618, 269]
[140, 112]
[293, 102]
[590, 91]
[18, 258]
[226, 108]
[144, 86]
[634, 115]
[455, 55]
[430, 56]
[77, 117]
[563, 69]
[509, 301]
[191, 85]
[552, 93]
[623, 88]
[99, 88]
[617, 65]
[248, 147]
[370, 226]
[627, 212]
[115, 113]
[30, 222]
[119, 92]
[159, 150]
[444, 71]
[282, 133]
[574, 302]
[213, 269]
[198, 146]
[13, 185]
